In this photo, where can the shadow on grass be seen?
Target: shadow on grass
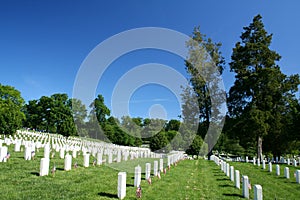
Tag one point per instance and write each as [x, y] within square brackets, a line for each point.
[222, 179]
[233, 195]
[105, 194]
[35, 173]
[225, 185]
[129, 185]
[218, 174]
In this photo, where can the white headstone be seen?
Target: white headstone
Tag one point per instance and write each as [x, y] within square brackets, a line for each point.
[3, 153]
[237, 179]
[148, 170]
[99, 158]
[17, 146]
[258, 162]
[231, 173]
[44, 167]
[47, 151]
[277, 170]
[155, 168]
[74, 153]
[264, 164]
[137, 176]
[119, 156]
[298, 176]
[27, 153]
[295, 163]
[110, 157]
[227, 170]
[288, 161]
[246, 187]
[287, 172]
[258, 195]
[270, 167]
[247, 159]
[161, 164]
[68, 162]
[62, 153]
[86, 160]
[121, 185]
[254, 161]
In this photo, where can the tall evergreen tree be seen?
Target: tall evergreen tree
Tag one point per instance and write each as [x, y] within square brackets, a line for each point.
[261, 91]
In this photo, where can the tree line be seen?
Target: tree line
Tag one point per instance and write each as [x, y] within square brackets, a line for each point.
[262, 118]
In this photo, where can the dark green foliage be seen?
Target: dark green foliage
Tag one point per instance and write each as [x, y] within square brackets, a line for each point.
[160, 142]
[195, 147]
[11, 116]
[260, 99]
[51, 114]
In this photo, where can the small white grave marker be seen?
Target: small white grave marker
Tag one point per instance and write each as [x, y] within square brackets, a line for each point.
[264, 164]
[137, 176]
[161, 164]
[44, 167]
[99, 158]
[121, 185]
[246, 187]
[3, 154]
[148, 170]
[287, 172]
[155, 168]
[227, 169]
[68, 162]
[277, 170]
[258, 195]
[86, 160]
[237, 179]
[231, 173]
[62, 153]
[298, 176]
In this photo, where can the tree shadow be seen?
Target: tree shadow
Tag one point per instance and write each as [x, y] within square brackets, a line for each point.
[129, 185]
[105, 194]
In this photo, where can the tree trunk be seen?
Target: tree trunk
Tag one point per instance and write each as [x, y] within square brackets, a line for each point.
[259, 148]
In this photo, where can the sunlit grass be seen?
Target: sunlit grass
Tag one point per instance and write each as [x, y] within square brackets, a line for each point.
[196, 179]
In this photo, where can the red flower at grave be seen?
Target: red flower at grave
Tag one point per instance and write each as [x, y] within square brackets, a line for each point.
[139, 192]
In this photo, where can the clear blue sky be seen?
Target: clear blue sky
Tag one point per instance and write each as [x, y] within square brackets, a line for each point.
[43, 43]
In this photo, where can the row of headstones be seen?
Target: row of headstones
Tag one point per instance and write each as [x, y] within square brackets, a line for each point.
[282, 160]
[286, 170]
[45, 164]
[89, 146]
[172, 159]
[59, 142]
[234, 176]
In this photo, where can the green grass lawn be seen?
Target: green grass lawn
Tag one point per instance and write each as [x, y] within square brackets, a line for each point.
[273, 186]
[197, 179]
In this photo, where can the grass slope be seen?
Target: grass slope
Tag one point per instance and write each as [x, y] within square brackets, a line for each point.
[197, 179]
